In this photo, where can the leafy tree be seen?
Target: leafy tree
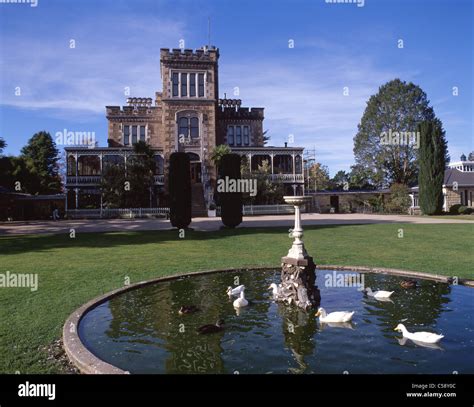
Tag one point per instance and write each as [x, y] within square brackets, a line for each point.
[268, 192]
[3, 144]
[266, 138]
[41, 158]
[359, 178]
[140, 175]
[396, 109]
[433, 153]
[340, 180]
[318, 177]
[399, 200]
[113, 185]
[218, 152]
[16, 174]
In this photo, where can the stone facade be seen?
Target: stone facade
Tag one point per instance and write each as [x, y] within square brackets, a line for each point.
[346, 201]
[186, 116]
[463, 196]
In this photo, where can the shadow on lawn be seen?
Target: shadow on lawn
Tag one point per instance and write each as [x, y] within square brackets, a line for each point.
[12, 245]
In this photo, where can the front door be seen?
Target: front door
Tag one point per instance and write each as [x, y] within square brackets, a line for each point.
[195, 172]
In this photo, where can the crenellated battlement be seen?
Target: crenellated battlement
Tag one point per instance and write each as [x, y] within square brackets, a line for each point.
[131, 110]
[188, 55]
[231, 109]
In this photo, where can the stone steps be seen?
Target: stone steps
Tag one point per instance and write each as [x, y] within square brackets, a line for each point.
[198, 204]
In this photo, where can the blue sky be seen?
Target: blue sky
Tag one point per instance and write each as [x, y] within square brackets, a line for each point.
[335, 46]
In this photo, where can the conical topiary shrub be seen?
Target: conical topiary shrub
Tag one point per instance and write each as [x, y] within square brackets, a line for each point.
[230, 202]
[179, 186]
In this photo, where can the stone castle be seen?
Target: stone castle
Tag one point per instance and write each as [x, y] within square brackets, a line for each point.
[189, 116]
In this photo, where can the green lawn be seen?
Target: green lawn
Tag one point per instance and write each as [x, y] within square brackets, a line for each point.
[73, 271]
[455, 217]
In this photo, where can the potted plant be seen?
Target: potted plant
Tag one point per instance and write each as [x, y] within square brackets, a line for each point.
[211, 211]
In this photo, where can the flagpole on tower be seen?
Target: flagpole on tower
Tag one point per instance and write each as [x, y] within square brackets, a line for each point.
[209, 32]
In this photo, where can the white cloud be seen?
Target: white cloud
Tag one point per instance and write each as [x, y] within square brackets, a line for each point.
[109, 56]
[307, 100]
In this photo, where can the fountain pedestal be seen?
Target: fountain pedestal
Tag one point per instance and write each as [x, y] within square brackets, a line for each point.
[298, 275]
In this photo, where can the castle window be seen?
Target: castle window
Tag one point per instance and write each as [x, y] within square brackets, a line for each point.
[137, 133]
[159, 165]
[194, 125]
[298, 167]
[238, 135]
[201, 85]
[192, 84]
[184, 84]
[134, 134]
[246, 135]
[175, 84]
[230, 135]
[183, 127]
[187, 84]
[188, 127]
[126, 135]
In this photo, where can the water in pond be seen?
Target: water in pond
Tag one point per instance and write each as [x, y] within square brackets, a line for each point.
[141, 331]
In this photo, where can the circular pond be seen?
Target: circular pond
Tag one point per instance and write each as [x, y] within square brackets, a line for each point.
[141, 331]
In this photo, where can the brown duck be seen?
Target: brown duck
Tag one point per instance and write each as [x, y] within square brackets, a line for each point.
[408, 284]
[188, 309]
[210, 329]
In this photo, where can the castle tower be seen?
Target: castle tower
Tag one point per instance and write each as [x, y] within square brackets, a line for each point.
[188, 102]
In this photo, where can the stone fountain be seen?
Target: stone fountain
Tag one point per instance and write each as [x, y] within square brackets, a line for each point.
[298, 275]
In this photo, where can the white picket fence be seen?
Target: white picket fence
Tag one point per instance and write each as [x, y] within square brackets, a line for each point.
[136, 213]
[266, 210]
[125, 213]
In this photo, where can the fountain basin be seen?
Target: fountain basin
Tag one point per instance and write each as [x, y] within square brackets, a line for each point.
[137, 329]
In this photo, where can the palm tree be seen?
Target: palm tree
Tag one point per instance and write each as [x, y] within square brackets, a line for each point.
[218, 152]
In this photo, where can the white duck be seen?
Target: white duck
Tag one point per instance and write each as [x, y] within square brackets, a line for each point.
[378, 294]
[241, 301]
[235, 291]
[426, 337]
[275, 289]
[338, 316]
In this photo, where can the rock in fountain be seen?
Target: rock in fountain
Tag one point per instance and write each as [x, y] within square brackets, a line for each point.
[298, 275]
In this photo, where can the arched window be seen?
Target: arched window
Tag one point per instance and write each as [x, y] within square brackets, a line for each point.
[194, 125]
[188, 126]
[159, 165]
[183, 127]
[193, 157]
[298, 168]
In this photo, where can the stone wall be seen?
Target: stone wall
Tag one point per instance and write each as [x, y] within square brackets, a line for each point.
[241, 116]
[454, 197]
[118, 116]
[348, 202]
